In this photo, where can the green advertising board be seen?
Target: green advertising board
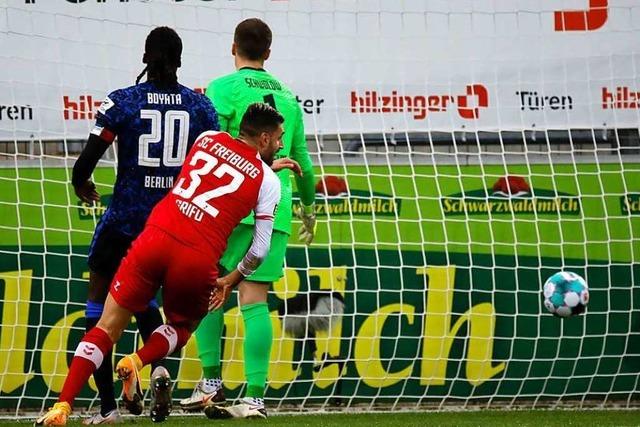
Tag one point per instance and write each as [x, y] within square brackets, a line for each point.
[441, 269]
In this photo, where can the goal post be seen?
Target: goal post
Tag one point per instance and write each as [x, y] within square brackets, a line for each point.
[465, 151]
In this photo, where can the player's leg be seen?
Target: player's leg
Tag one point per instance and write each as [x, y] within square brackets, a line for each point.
[103, 375]
[209, 333]
[108, 247]
[186, 287]
[209, 343]
[162, 342]
[147, 322]
[258, 331]
[258, 337]
[134, 286]
[255, 313]
[88, 357]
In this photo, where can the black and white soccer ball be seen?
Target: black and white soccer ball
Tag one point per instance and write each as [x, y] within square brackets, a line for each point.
[566, 294]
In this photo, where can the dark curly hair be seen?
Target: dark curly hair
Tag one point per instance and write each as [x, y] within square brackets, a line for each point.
[162, 52]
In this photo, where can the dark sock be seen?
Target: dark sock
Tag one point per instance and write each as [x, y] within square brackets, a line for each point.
[103, 377]
[148, 321]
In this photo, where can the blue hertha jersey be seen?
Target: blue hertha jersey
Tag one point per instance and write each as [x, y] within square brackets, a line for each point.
[155, 129]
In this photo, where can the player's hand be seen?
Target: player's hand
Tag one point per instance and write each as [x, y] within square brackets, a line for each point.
[220, 293]
[286, 163]
[308, 228]
[222, 289]
[87, 192]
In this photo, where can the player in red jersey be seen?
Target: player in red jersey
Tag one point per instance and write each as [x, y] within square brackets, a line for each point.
[221, 181]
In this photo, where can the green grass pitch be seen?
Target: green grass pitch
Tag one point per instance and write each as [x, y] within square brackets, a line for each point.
[538, 418]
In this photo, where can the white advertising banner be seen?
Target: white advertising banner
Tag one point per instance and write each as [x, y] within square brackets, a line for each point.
[368, 66]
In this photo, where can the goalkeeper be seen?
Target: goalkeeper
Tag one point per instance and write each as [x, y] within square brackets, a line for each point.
[231, 95]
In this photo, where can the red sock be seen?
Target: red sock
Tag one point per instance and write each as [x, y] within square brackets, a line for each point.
[162, 342]
[87, 358]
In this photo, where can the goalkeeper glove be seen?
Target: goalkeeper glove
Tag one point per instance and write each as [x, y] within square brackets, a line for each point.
[308, 228]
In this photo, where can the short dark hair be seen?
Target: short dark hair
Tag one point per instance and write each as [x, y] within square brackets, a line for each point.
[162, 54]
[258, 118]
[252, 38]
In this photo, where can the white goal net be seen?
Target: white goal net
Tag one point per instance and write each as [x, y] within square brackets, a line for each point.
[467, 150]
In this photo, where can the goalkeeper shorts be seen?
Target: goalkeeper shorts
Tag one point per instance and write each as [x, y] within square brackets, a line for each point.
[272, 267]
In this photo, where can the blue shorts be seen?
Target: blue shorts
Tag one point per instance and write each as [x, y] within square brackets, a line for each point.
[108, 248]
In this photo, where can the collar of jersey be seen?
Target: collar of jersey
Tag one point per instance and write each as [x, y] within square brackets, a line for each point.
[253, 69]
[246, 146]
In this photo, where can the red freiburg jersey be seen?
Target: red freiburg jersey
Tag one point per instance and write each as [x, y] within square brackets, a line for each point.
[221, 182]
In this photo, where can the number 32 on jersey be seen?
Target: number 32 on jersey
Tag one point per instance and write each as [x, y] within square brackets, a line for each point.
[210, 164]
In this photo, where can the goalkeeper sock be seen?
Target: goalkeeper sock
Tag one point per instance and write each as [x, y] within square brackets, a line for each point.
[163, 341]
[258, 336]
[103, 376]
[148, 321]
[87, 358]
[208, 339]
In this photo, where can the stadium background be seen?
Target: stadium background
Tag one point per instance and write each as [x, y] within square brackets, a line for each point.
[440, 260]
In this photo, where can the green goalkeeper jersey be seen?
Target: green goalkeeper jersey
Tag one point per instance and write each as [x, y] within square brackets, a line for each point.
[232, 94]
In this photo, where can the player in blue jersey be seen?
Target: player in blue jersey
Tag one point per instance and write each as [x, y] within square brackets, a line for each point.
[155, 124]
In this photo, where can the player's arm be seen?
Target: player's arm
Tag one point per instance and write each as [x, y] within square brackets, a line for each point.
[84, 166]
[263, 229]
[265, 211]
[109, 120]
[305, 182]
[222, 98]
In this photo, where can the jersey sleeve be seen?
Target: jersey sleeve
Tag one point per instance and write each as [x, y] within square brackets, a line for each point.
[221, 95]
[300, 153]
[111, 117]
[211, 116]
[269, 195]
[268, 199]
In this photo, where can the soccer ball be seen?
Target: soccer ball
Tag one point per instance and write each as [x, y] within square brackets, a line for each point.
[565, 294]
